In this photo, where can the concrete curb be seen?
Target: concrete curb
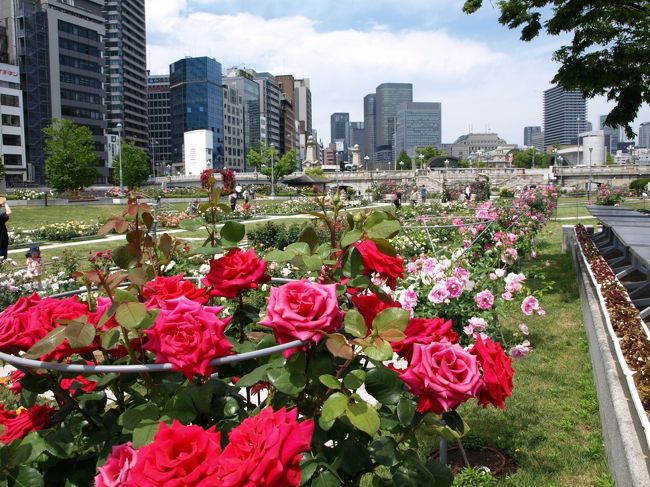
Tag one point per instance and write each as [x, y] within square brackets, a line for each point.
[628, 453]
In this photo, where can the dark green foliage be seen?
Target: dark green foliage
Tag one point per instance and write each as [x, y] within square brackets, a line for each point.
[278, 236]
[135, 166]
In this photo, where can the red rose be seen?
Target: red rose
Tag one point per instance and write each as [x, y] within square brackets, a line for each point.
[165, 288]
[370, 305]
[116, 471]
[442, 375]
[6, 414]
[497, 372]
[266, 450]
[13, 325]
[374, 260]
[35, 418]
[79, 383]
[189, 336]
[424, 331]
[300, 310]
[236, 272]
[179, 456]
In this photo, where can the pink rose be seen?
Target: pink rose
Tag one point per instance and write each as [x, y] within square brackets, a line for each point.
[529, 305]
[507, 296]
[300, 310]
[484, 300]
[442, 376]
[116, 470]
[189, 336]
[455, 287]
[521, 351]
[439, 293]
[523, 329]
[461, 274]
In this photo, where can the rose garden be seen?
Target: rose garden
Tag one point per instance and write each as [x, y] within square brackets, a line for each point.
[355, 344]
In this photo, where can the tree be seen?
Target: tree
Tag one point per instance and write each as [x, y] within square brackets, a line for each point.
[71, 162]
[404, 157]
[3, 171]
[267, 157]
[429, 153]
[317, 172]
[135, 166]
[609, 51]
[524, 158]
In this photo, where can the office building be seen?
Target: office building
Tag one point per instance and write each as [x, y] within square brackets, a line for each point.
[537, 141]
[473, 146]
[369, 113]
[388, 97]
[233, 128]
[340, 130]
[270, 108]
[358, 137]
[644, 135]
[302, 110]
[249, 90]
[288, 129]
[59, 49]
[565, 116]
[612, 135]
[196, 100]
[125, 55]
[417, 125]
[12, 131]
[529, 132]
[4, 45]
[159, 122]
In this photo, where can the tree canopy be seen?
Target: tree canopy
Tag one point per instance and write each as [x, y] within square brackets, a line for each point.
[608, 54]
[71, 160]
[135, 165]
[267, 156]
[404, 157]
[524, 158]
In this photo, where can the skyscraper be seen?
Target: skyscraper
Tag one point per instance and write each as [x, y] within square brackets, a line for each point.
[302, 109]
[614, 134]
[12, 135]
[196, 104]
[340, 134]
[233, 128]
[59, 49]
[417, 125]
[644, 135]
[358, 136]
[288, 132]
[250, 91]
[159, 118]
[125, 68]
[389, 96]
[528, 135]
[270, 108]
[565, 116]
[369, 112]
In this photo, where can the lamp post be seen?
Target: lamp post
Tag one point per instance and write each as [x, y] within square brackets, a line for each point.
[272, 171]
[119, 144]
[589, 187]
[169, 169]
[421, 157]
[154, 165]
[401, 165]
[366, 160]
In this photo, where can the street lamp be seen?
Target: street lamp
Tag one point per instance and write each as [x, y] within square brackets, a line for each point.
[119, 144]
[154, 143]
[533, 157]
[421, 157]
[272, 171]
[169, 169]
[589, 188]
[366, 160]
[401, 165]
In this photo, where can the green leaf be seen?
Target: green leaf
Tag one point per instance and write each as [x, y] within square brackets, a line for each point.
[339, 347]
[123, 257]
[410, 472]
[351, 237]
[355, 325]
[385, 247]
[392, 335]
[360, 281]
[326, 479]
[374, 218]
[354, 379]
[391, 318]
[330, 381]
[143, 434]
[297, 248]
[278, 256]
[363, 417]
[384, 385]
[109, 339]
[453, 420]
[130, 315]
[356, 263]
[383, 449]
[442, 473]
[297, 363]
[192, 224]
[309, 236]
[49, 342]
[27, 451]
[208, 250]
[384, 230]
[131, 418]
[308, 468]
[124, 296]
[334, 407]
[380, 352]
[312, 262]
[283, 381]
[254, 376]
[25, 476]
[233, 231]
[80, 335]
[406, 411]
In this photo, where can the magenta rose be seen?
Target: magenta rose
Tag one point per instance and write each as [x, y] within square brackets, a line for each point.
[422, 331]
[266, 450]
[179, 456]
[189, 336]
[235, 272]
[300, 310]
[163, 289]
[484, 299]
[117, 469]
[442, 376]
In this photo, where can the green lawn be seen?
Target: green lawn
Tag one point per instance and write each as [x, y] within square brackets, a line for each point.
[551, 428]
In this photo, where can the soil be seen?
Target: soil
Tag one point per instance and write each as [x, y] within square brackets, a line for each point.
[479, 457]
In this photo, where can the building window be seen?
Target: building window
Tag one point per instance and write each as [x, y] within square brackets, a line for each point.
[13, 159]
[10, 139]
[9, 100]
[11, 120]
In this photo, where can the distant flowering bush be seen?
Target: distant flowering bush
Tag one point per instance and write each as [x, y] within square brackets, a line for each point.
[608, 196]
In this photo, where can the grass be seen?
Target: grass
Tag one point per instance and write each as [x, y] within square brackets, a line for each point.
[551, 428]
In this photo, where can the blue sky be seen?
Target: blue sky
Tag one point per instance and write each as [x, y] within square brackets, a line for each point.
[479, 70]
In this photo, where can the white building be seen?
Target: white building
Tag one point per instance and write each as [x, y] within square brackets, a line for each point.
[233, 129]
[12, 128]
[593, 148]
[197, 151]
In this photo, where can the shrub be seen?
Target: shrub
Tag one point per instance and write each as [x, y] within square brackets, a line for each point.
[474, 477]
[507, 193]
[277, 235]
[639, 185]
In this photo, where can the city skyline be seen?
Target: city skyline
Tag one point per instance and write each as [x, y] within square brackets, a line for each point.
[480, 71]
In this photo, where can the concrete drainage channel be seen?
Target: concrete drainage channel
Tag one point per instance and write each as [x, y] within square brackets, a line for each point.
[623, 422]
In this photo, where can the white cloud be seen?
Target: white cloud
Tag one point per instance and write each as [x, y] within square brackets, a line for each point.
[476, 83]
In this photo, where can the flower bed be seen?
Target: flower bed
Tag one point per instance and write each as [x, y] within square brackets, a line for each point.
[29, 194]
[360, 373]
[57, 232]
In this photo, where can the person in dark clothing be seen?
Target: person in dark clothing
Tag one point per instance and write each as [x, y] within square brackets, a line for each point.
[397, 199]
[5, 212]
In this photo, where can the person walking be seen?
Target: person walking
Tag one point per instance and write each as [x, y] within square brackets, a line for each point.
[5, 212]
[414, 196]
[233, 200]
[423, 194]
[397, 199]
[246, 196]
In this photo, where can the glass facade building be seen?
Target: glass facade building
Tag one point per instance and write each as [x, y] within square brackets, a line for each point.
[417, 125]
[369, 106]
[243, 82]
[196, 100]
[529, 132]
[565, 116]
[159, 118]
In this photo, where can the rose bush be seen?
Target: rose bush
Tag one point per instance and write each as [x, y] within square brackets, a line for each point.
[377, 359]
